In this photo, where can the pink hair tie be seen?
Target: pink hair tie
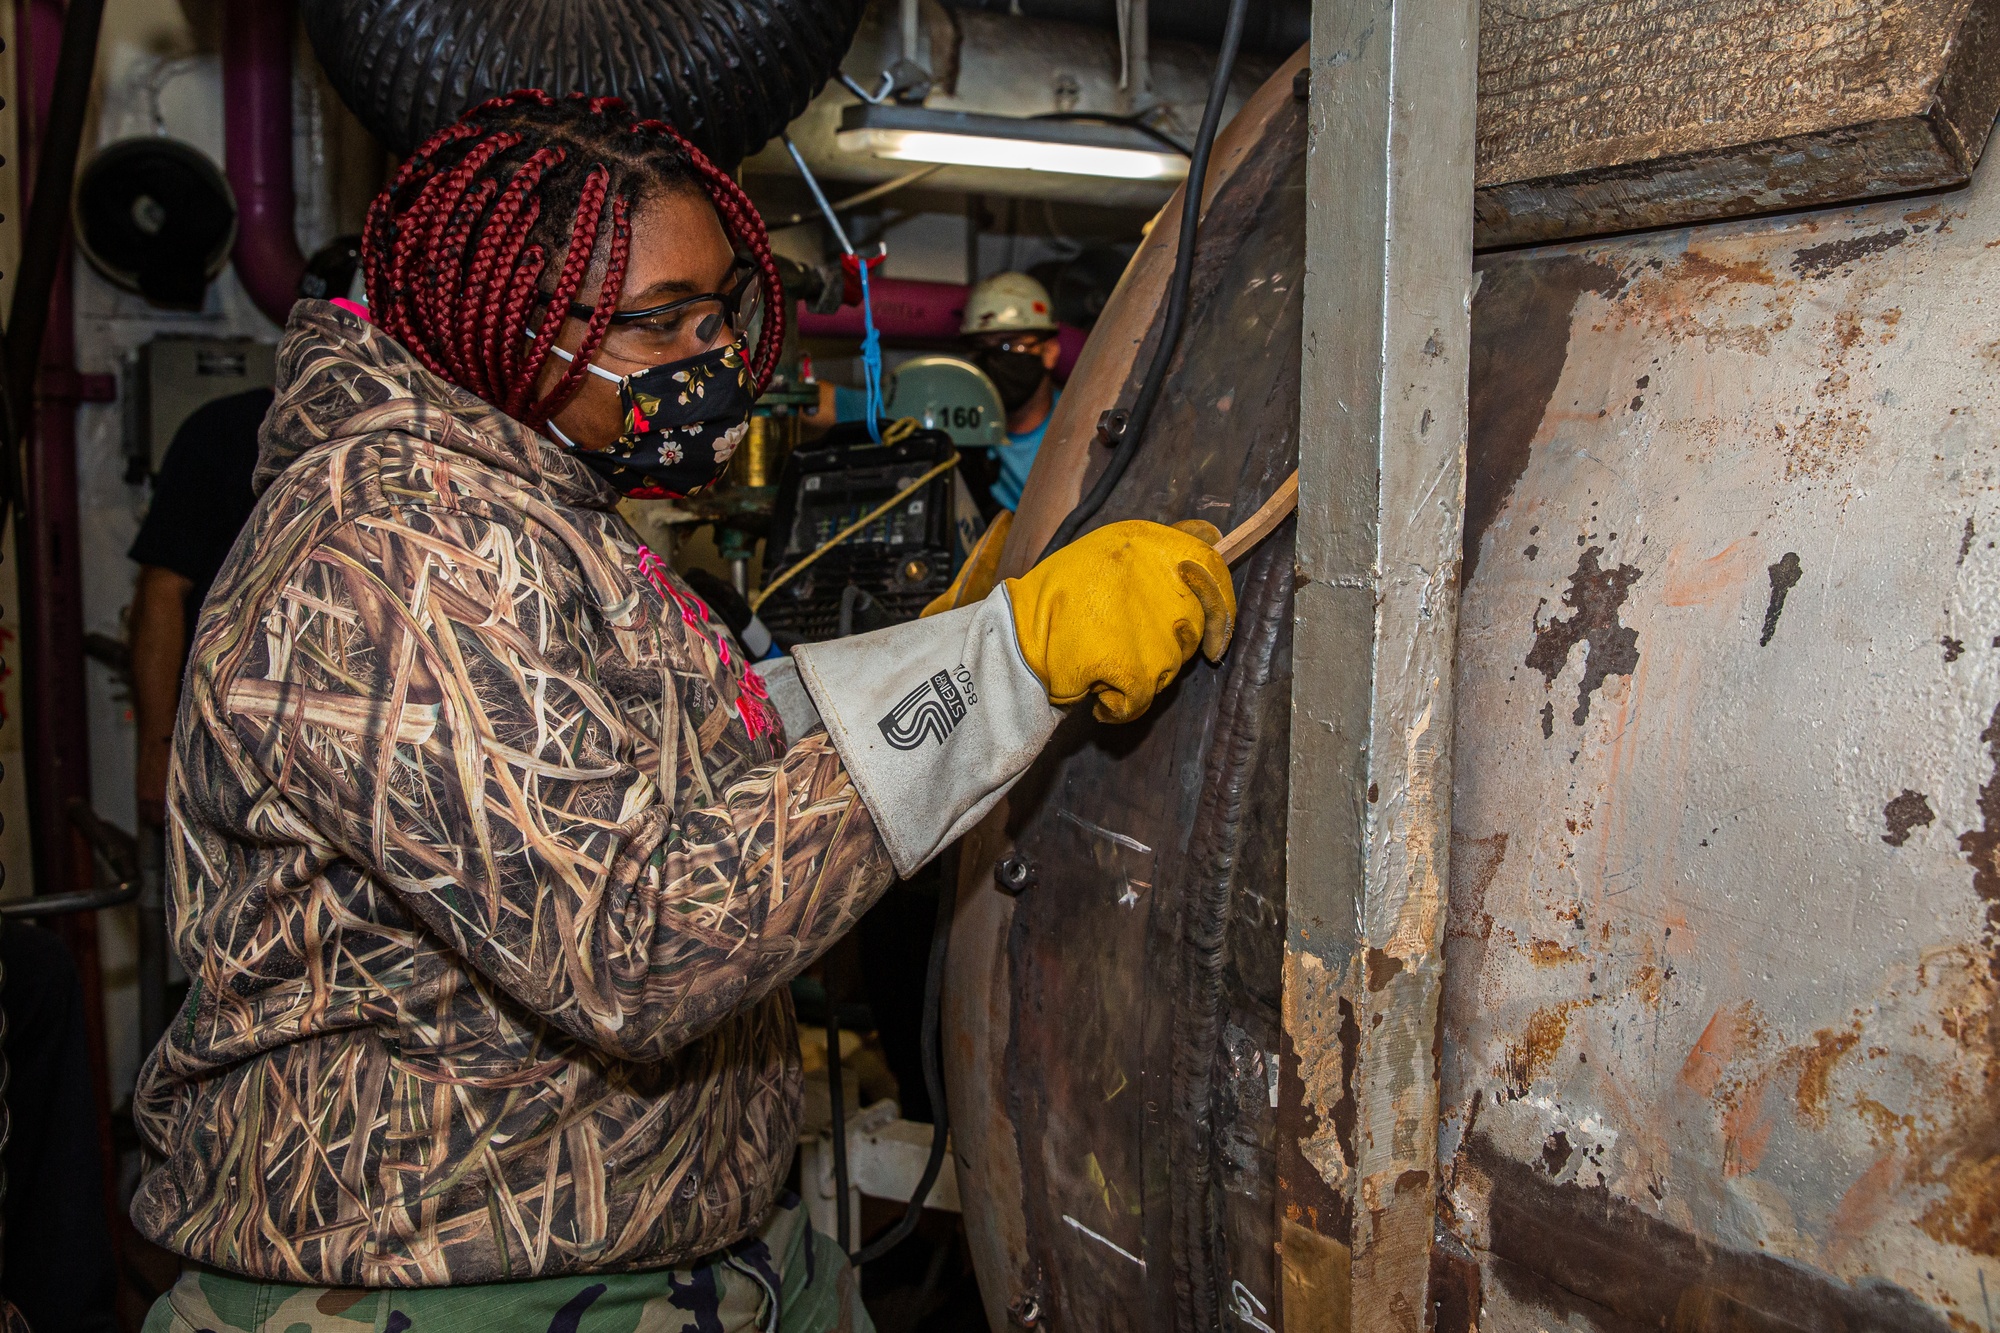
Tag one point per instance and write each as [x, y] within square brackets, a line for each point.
[354, 308]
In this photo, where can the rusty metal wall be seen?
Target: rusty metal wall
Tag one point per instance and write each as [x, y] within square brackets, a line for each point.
[1720, 988]
[1717, 1044]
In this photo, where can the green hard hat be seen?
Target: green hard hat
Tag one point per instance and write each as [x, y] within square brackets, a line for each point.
[949, 394]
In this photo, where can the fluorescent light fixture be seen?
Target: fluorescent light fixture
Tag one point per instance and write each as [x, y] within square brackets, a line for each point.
[1011, 143]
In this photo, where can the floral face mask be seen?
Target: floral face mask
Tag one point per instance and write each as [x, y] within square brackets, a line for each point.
[683, 421]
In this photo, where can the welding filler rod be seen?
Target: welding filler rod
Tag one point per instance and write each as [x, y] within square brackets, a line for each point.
[1258, 526]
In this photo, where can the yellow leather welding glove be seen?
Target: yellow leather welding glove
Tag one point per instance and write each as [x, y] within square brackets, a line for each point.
[1119, 610]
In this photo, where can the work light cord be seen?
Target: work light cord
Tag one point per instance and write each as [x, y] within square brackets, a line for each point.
[1141, 411]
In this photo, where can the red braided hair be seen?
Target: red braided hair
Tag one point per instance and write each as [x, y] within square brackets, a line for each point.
[745, 226]
[475, 252]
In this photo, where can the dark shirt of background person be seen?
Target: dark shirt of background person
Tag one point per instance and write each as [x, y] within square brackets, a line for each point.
[201, 500]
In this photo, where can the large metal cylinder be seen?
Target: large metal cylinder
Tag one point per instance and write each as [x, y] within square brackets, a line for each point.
[1109, 1091]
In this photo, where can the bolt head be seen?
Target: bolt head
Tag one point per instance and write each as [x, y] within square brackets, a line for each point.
[1014, 874]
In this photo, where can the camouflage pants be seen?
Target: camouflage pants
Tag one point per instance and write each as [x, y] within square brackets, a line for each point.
[786, 1279]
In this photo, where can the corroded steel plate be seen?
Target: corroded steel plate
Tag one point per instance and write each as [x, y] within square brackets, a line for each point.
[1720, 977]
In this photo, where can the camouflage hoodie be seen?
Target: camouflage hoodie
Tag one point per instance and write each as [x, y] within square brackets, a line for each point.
[486, 863]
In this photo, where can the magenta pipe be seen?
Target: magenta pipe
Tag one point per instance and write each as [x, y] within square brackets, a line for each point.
[1071, 339]
[257, 147]
[907, 310]
[48, 543]
[55, 719]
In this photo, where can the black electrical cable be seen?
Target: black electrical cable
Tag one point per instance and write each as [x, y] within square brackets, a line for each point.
[1139, 123]
[843, 1224]
[933, 1057]
[1134, 428]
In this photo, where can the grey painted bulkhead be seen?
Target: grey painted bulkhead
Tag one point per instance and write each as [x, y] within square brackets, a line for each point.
[1719, 1037]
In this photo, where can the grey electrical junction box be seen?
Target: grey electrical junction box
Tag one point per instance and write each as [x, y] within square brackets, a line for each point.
[177, 373]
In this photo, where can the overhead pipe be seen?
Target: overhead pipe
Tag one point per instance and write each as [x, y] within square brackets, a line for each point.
[65, 59]
[1135, 74]
[910, 311]
[912, 28]
[257, 148]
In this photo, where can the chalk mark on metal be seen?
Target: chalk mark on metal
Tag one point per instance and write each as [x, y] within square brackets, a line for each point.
[1105, 1241]
[1122, 839]
[1242, 1310]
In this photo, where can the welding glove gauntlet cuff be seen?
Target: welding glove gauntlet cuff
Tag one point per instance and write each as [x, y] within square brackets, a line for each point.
[934, 720]
[787, 694]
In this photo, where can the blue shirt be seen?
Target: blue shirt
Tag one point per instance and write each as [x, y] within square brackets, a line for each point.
[1016, 456]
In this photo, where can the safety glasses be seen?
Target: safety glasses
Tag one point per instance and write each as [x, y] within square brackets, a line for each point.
[1014, 342]
[687, 326]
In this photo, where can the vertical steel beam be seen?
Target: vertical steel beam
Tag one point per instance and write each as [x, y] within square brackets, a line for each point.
[1381, 487]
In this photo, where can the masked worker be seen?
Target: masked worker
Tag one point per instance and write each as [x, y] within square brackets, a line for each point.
[1009, 328]
[489, 861]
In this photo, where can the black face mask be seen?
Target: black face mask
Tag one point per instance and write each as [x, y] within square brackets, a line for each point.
[1017, 375]
[683, 421]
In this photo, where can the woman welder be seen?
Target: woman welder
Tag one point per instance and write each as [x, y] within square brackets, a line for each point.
[489, 862]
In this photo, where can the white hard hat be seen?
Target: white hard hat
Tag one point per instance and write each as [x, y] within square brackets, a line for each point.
[1007, 302]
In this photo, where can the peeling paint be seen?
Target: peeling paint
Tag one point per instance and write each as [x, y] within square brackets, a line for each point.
[1505, 410]
[1595, 595]
[1576, 1250]
[1474, 863]
[1816, 261]
[1728, 1031]
[1540, 1041]
[1316, 1072]
[1785, 575]
[1817, 1070]
[1910, 810]
[1982, 846]
[1382, 968]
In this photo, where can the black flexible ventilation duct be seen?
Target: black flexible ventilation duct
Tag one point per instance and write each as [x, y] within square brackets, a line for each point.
[728, 74]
